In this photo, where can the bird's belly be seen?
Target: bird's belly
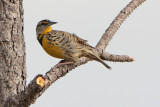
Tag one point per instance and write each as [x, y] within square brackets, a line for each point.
[52, 49]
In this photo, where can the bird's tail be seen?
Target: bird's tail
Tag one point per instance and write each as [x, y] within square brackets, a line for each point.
[90, 54]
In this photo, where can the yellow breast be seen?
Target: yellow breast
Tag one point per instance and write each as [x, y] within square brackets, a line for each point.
[49, 47]
[52, 49]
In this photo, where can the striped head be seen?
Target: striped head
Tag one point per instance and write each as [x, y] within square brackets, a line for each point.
[44, 26]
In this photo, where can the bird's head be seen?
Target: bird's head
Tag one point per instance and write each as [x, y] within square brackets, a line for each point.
[44, 26]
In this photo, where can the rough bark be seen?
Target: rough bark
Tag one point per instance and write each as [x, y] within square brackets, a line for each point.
[13, 92]
[12, 50]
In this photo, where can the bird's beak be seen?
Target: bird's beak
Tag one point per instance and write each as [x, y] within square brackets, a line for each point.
[51, 23]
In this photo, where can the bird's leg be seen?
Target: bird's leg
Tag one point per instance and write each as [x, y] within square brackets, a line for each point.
[65, 62]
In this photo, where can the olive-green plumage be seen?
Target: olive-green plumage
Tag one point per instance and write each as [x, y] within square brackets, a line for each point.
[64, 45]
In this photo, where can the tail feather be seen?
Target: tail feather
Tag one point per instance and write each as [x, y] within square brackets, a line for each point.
[106, 65]
[92, 55]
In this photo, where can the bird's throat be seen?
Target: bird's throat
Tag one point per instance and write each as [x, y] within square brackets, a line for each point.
[48, 29]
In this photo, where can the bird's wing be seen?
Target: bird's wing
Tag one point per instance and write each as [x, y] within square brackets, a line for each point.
[81, 41]
[78, 39]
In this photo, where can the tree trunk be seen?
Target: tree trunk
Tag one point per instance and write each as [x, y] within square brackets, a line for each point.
[12, 50]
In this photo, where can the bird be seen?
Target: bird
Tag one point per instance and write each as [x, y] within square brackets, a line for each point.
[64, 45]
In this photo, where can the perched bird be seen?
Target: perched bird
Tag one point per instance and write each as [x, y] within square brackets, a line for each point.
[64, 45]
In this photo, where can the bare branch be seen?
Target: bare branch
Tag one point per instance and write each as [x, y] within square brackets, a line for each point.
[34, 90]
[26, 97]
[116, 58]
[114, 26]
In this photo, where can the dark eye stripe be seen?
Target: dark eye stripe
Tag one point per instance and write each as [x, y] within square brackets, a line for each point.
[43, 23]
